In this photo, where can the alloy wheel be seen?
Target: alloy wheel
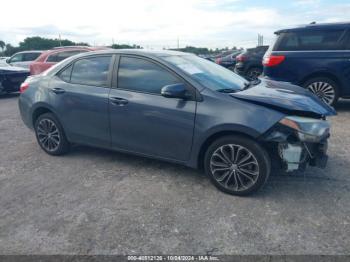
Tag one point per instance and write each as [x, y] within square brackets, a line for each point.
[48, 135]
[324, 91]
[234, 167]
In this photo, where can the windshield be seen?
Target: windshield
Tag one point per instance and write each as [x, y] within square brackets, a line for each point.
[207, 73]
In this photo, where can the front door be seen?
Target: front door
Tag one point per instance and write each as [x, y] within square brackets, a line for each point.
[143, 121]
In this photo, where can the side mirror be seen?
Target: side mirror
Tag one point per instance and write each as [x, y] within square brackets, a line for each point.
[175, 91]
[8, 60]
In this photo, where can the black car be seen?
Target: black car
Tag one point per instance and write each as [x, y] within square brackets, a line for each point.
[249, 63]
[11, 78]
[315, 56]
[228, 61]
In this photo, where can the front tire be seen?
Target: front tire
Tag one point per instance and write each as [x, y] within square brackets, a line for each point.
[237, 165]
[50, 135]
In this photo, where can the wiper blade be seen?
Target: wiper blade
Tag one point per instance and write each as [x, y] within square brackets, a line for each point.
[248, 85]
[227, 90]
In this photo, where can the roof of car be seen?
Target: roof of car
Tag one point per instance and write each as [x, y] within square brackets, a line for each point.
[30, 51]
[144, 52]
[315, 26]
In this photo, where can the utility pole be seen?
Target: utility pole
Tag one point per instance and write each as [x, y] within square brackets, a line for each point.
[178, 43]
[59, 37]
[260, 40]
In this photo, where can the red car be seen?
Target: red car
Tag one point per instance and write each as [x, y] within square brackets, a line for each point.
[53, 56]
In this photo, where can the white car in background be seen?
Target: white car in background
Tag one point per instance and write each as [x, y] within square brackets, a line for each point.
[23, 59]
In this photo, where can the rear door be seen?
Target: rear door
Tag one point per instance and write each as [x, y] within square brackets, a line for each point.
[142, 120]
[79, 94]
[28, 58]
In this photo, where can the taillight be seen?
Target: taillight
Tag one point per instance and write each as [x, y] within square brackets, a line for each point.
[24, 87]
[273, 60]
[218, 60]
[240, 58]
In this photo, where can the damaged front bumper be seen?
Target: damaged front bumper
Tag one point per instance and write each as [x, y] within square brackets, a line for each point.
[296, 156]
[299, 142]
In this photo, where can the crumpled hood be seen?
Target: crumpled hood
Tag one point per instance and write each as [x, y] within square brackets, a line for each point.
[285, 97]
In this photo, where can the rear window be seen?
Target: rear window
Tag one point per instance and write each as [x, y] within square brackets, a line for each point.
[310, 40]
[91, 71]
[58, 57]
[30, 56]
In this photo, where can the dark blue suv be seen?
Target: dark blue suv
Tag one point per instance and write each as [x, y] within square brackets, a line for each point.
[315, 56]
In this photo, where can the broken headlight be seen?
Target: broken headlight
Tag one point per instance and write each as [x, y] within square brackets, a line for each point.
[307, 129]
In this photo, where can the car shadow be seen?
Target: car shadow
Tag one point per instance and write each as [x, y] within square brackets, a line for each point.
[10, 95]
[130, 159]
[281, 184]
[343, 105]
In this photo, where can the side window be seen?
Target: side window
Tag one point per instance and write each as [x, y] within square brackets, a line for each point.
[16, 58]
[52, 58]
[310, 40]
[66, 73]
[63, 55]
[30, 56]
[347, 41]
[58, 57]
[91, 71]
[140, 75]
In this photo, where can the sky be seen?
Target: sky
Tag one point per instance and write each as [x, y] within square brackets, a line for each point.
[160, 24]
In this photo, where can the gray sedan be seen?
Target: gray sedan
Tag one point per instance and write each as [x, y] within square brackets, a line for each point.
[180, 108]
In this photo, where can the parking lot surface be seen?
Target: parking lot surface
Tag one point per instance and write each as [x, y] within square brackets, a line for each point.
[94, 201]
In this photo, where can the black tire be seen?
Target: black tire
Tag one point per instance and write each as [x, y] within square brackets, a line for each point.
[253, 73]
[260, 165]
[48, 125]
[308, 84]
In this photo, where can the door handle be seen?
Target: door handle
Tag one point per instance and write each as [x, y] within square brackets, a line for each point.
[58, 90]
[118, 101]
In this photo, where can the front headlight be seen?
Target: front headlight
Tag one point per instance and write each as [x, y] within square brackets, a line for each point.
[307, 129]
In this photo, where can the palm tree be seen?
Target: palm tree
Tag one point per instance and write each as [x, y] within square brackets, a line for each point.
[2, 45]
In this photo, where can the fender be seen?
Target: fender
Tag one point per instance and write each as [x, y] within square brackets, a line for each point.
[217, 131]
[42, 105]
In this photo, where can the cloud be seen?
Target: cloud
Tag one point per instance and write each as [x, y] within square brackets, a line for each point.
[159, 23]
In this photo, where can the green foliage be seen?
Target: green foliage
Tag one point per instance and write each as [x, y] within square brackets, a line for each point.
[202, 50]
[124, 46]
[10, 50]
[2, 45]
[38, 43]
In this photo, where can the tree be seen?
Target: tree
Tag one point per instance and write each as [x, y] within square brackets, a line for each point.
[2, 45]
[40, 43]
[10, 50]
[124, 46]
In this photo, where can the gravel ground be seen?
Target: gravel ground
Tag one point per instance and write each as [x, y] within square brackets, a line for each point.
[94, 201]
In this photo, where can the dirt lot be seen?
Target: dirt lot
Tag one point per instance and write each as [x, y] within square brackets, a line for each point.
[94, 201]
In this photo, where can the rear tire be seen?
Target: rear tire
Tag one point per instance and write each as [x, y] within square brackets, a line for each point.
[50, 135]
[253, 73]
[324, 88]
[237, 165]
